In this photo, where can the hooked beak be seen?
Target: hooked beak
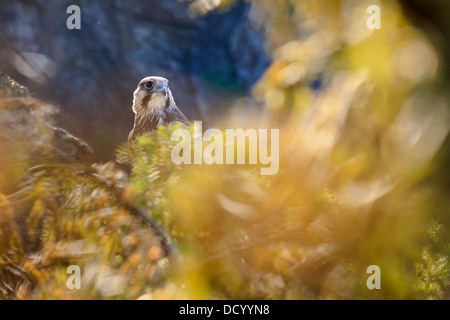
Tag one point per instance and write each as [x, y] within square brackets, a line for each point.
[162, 89]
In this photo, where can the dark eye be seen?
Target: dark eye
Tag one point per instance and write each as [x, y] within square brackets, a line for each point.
[149, 85]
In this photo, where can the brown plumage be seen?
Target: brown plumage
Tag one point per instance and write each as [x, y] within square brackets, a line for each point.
[153, 105]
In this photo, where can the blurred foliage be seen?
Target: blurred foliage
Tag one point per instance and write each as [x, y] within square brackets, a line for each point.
[62, 211]
[362, 116]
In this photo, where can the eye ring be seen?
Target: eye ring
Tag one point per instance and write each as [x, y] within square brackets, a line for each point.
[149, 85]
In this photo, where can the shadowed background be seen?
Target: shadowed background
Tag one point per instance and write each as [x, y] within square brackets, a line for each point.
[91, 73]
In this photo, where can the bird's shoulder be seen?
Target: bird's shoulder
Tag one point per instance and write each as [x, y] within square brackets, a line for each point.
[173, 114]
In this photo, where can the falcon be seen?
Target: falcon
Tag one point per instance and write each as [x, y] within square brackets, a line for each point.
[153, 105]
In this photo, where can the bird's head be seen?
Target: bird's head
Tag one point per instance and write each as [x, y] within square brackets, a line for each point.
[152, 94]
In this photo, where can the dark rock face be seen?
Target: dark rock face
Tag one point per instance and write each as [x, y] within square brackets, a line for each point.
[29, 138]
[91, 73]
